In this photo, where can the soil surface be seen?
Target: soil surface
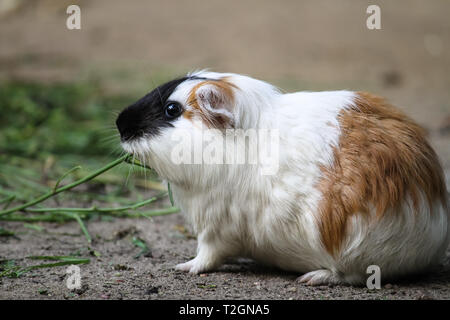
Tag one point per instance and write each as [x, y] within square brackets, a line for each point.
[300, 45]
[118, 274]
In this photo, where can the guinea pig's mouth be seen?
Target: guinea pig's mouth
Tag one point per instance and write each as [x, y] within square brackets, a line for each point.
[132, 138]
[129, 138]
[136, 145]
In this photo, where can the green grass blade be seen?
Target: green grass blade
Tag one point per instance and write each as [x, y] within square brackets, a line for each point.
[170, 194]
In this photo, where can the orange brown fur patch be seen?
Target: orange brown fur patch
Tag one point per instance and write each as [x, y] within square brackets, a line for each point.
[211, 120]
[382, 158]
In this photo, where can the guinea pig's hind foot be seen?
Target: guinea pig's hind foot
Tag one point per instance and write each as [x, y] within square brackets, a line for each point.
[319, 277]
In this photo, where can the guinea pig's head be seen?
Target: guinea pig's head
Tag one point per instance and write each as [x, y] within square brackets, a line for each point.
[186, 106]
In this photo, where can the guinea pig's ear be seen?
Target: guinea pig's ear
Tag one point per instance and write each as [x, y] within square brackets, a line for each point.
[214, 100]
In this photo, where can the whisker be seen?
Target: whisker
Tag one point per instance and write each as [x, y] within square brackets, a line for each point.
[157, 89]
[107, 139]
[129, 172]
[107, 128]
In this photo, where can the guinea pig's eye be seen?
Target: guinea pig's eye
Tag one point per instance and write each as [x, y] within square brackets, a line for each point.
[172, 110]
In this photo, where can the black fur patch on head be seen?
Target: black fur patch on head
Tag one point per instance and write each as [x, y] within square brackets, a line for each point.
[146, 116]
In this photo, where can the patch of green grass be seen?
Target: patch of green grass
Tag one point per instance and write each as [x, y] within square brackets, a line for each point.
[34, 227]
[10, 269]
[43, 291]
[75, 213]
[138, 242]
[47, 132]
[6, 233]
[46, 129]
[40, 119]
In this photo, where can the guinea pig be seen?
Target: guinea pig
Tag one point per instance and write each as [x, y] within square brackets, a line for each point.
[355, 184]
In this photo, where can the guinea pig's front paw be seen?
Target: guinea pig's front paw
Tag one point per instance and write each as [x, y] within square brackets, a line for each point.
[195, 266]
[318, 277]
[184, 266]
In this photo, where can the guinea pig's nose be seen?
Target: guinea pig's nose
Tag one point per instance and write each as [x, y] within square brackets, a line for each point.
[128, 124]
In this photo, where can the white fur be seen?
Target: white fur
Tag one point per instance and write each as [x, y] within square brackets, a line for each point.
[237, 212]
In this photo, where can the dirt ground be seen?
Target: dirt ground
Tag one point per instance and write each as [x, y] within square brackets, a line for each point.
[297, 45]
[117, 274]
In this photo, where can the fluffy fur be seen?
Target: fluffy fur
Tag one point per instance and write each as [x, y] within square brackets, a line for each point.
[357, 183]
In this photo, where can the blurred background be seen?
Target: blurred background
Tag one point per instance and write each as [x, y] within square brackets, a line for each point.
[60, 89]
